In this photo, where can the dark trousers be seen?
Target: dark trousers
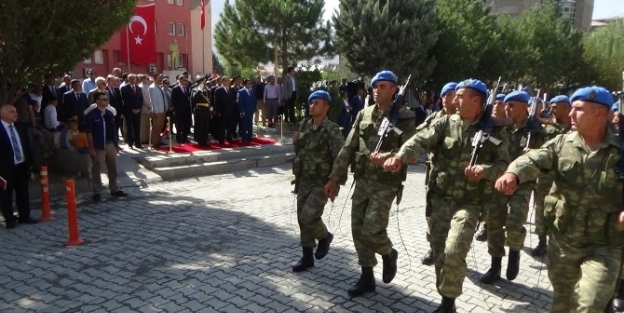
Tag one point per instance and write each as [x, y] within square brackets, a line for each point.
[133, 128]
[202, 125]
[230, 127]
[246, 126]
[183, 123]
[118, 121]
[17, 181]
[289, 108]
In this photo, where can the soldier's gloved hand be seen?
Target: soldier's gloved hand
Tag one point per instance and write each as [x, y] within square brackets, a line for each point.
[474, 173]
[508, 183]
[330, 188]
[378, 158]
[392, 164]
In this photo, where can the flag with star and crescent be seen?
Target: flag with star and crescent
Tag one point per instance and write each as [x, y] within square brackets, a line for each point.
[138, 39]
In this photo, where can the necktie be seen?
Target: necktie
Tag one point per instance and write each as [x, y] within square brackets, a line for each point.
[133, 90]
[77, 99]
[16, 149]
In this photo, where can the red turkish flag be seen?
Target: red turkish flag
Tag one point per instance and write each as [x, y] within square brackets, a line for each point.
[138, 39]
[203, 14]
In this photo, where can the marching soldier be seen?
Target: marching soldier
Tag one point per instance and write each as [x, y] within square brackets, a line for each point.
[374, 189]
[459, 192]
[316, 147]
[203, 114]
[448, 107]
[560, 110]
[504, 226]
[583, 211]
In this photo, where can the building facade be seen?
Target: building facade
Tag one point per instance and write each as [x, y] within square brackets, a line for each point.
[177, 22]
[579, 11]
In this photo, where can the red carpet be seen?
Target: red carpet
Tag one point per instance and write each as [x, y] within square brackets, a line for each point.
[193, 147]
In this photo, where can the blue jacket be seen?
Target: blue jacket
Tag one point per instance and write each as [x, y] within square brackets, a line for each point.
[95, 125]
[246, 101]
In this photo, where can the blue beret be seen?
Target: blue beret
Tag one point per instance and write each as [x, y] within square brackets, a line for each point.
[560, 98]
[320, 94]
[593, 94]
[520, 96]
[387, 76]
[473, 84]
[448, 87]
[615, 106]
[500, 97]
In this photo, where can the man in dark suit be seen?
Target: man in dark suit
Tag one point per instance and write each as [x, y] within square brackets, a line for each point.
[49, 91]
[14, 168]
[182, 109]
[132, 98]
[357, 104]
[75, 101]
[246, 107]
[115, 101]
[224, 105]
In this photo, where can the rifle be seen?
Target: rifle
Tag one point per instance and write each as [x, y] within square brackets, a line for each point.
[485, 126]
[389, 122]
[533, 121]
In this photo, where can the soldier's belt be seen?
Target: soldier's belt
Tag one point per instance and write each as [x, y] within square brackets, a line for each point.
[203, 104]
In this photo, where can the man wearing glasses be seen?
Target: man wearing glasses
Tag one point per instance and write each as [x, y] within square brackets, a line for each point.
[103, 145]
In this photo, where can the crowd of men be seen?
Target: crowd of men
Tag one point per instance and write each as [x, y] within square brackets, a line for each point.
[569, 162]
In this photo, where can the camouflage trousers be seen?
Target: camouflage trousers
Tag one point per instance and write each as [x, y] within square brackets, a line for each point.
[541, 191]
[311, 202]
[508, 219]
[370, 211]
[583, 279]
[452, 229]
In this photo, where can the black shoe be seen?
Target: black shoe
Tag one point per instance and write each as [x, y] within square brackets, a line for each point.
[323, 246]
[390, 266]
[482, 233]
[306, 261]
[618, 301]
[427, 259]
[139, 146]
[27, 220]
[10, 224]
[119, 193]
[493, 274]
[97, 197]
[513, 265]
[447, 306]
[540, 249]
[365, 284]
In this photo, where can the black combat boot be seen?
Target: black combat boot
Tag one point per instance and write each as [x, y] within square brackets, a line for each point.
[513, 264]
[306, 261]
[365, 284]
[493, 274]
[447, 306]
[427, 259]
[390, 266]
[618, 301]
[323, 246]
[482, 233]
[540, 249]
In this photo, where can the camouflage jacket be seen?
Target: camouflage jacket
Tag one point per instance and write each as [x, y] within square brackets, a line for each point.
[552, 130]
[585, 200]
[450, 142]
[316, 149]
[363, 139]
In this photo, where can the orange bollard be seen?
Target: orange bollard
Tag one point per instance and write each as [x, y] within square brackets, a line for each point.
[72, 215]
[45, 196]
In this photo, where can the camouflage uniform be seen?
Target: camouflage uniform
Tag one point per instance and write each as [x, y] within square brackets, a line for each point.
[581, 216]
[458, 202]
[374, 188]
[316, 149]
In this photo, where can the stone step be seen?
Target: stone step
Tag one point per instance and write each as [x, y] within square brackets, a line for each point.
[224, 166]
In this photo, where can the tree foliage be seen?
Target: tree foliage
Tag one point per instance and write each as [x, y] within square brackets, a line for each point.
[252, 31]
[216, 64]
[604, 48]
[39, 37]
[398, 35]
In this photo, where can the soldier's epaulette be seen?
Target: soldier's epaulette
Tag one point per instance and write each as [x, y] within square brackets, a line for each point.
[406, 114]
[501, 122]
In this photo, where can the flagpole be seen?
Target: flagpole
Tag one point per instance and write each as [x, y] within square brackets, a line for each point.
[203, 53]
[128, 46]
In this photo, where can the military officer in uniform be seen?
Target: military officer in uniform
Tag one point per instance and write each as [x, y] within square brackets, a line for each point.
[316, 147]
[583, 210]
[374, 189]
[203, 113]
[506, 215]
[560, 110]
[459, 192]
[448, 107]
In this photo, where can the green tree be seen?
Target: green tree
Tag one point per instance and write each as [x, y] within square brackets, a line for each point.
[255, 31]
[604, 49]
[397, 35]
[40, 37]
[216, 63]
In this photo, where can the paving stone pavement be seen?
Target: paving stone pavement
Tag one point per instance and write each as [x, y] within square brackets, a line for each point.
[226, 244]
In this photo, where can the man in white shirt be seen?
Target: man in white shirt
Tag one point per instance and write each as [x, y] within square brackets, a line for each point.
[272, 98]
[158, 99]
[50, 117]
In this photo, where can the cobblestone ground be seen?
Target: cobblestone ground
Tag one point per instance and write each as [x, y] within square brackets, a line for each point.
[226, 244]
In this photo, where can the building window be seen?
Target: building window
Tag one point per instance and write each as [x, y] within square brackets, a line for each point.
[171, 27]
[180, 29]
[180, 2]
[98, 57]
[169, 1]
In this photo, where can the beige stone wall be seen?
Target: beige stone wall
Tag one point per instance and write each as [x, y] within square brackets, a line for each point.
[202, 63]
